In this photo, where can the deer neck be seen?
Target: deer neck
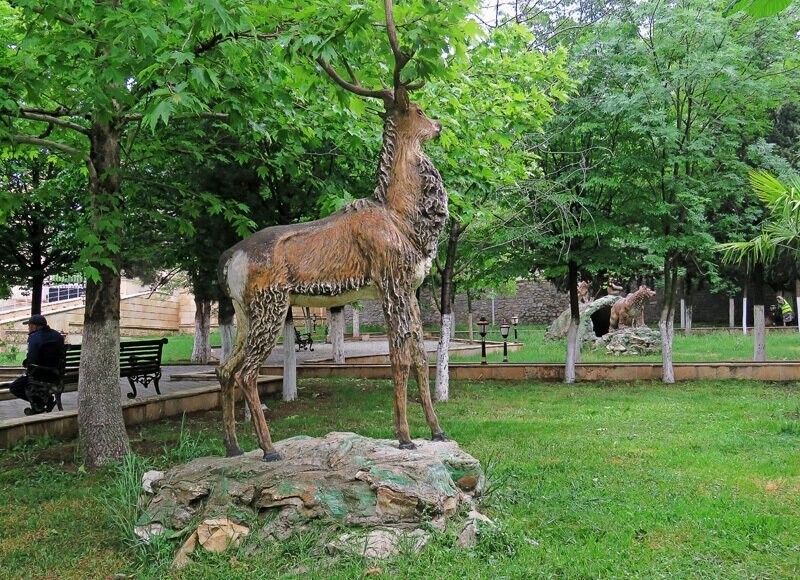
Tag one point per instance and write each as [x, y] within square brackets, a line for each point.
[408, 183]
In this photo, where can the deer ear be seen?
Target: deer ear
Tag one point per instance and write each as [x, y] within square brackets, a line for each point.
[401, 98]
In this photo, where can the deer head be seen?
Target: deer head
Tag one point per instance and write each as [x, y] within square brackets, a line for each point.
[409, 118]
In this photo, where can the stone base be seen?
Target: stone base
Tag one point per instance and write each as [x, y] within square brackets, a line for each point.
[353, 479]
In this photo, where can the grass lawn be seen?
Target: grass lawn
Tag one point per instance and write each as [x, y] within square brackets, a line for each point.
[699, 347]
[697, 479]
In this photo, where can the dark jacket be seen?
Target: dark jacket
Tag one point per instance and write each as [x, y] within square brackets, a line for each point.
[36, 342]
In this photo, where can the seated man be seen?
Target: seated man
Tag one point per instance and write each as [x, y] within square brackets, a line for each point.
[39, 336]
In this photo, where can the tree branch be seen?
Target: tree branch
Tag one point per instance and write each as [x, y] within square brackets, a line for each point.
[53, 120]
[182, 116]
[47, 144]
[64, 19]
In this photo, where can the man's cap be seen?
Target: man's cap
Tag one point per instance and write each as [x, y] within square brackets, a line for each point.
[37, 319]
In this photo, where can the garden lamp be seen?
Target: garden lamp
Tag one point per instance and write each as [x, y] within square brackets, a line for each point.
[482, 331]
[504, 333]
[515, 321]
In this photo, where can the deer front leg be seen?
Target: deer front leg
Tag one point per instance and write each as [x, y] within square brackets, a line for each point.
[400, 358]
[420, 365]
[266, 315]
[397, 314]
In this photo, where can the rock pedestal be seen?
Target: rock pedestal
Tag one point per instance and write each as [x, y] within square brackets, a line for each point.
[586, 331]
[354, 479]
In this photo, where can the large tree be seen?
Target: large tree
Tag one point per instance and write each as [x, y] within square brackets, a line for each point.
[87, 81]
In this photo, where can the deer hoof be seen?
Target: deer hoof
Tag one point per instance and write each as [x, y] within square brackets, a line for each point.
[233, 452]
[408, 445]
[440, 437]
[272, 456]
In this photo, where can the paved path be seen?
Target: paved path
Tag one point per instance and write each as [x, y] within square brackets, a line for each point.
[13, 409]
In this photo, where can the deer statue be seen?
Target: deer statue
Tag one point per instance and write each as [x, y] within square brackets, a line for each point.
[377, 248]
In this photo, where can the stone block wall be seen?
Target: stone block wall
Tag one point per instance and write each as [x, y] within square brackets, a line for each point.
[541, 303]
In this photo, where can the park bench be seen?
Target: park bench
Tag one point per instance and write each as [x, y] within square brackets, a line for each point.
[139, 362]
[303, 340]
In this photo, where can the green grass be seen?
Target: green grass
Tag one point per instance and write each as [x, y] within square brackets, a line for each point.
[699, 347]
[697, 479]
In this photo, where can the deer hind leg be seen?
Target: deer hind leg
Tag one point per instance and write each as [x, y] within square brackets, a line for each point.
[420, 366]
[266, 313]
[226, 373]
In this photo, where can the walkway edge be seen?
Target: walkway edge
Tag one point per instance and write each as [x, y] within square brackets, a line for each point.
[64, 424]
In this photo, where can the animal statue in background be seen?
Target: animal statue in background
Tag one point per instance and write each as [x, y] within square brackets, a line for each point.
[630, 310]
[584, 292]
[377, 248]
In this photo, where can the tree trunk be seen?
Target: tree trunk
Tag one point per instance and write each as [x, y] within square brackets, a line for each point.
[289, 360]
[470, 331]
[667, 320]
[201, 352]
[573, 348]
[797, 303]
[744, 309]
[688, 292]
[442, 389]
[37, 284]
[336, 331]
[100, 422]
[759, 327]
[225, 316]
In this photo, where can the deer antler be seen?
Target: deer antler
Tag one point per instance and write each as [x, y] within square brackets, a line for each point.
[386, 94]
[399, 94]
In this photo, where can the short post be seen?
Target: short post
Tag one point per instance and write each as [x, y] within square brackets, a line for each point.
[515, 321]
[289, 360]
[504, 333]
[482, 331]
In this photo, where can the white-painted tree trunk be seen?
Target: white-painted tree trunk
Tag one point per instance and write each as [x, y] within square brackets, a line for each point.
[744, 315]
[100, 421]
[201, 350]
[666, 328]
[797, 312]
[573, 351]
[759, 334]
[683, 313]
[289, 361]
[797, 303]
[442, 389]
[336, 332]
[469, 323]
[356, 323]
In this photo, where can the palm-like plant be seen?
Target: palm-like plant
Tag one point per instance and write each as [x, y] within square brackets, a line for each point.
[780, 231]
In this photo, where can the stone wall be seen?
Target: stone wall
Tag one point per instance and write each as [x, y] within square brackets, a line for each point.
[541, 303]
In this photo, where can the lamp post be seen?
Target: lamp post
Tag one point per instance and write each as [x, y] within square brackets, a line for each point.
[515, 321]
[504, 333]
[482, 331]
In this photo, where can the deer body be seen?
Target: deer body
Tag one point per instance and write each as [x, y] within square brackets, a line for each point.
[378, 248]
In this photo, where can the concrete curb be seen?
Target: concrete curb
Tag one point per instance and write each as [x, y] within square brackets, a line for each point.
[64, 424]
